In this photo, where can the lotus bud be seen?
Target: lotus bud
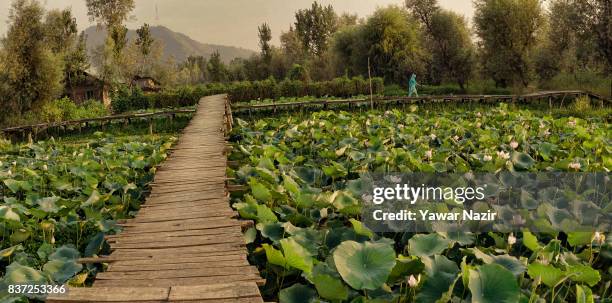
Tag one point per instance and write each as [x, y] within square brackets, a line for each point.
[52, 240]
[9, 172]
[0, 163]
[44, 167]
[478, 125]
[599, 238]
[511, 239]
[514, 144]
[478, 114]
[413, 282]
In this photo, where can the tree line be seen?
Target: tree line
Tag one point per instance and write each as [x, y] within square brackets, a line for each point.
[514, 43]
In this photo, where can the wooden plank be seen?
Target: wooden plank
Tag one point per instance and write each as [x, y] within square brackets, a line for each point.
[175, 242]
[178, 281]
[113, 294]
[215, 292]
[249, 271]
[117, 267]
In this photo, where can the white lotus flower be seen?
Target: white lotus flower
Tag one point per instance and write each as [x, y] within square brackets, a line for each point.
[0, 163]
[456, 138]
[478, 125]
[44, 167]
[571, 123]
[14, 163]
[413, 282]
[504, 155]
[574, 165]
[433, 136]
[511, 239]
[487, 158]
[599, 238]
[542, 125]
[514, 144]
[400, 126]
[429, 154]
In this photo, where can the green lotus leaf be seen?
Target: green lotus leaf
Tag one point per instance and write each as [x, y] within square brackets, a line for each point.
[427, 245]
[7, 252]
[291, 185]
[265, 214]
[260, 192]
[9, 213]
[530, 241]
[272, 231]
[94, 245]
[492, 283]
[579, 238]
[584, 294]
[404, 267]
[549, 274]
[522, 161]
[330, 288]
[274, 256]
[296, 255]
[298, 293]
[364, 265]
[65, 253]
[20, 274]
[583, 274]
[441, 278]
[62, 270]
[361, 229]
[250, 235]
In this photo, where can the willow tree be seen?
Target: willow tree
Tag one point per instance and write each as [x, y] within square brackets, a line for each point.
[508, 31]
[31, 73]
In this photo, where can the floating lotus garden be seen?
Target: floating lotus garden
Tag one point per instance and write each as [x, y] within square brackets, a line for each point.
[311, 245]
[60, 199]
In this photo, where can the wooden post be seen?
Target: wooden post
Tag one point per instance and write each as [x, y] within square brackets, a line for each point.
[370, 77]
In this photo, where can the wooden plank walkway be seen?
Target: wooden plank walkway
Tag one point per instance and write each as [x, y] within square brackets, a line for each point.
[184, 245]
[549, 96]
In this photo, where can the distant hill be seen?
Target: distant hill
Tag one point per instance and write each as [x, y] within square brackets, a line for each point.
[177, 45]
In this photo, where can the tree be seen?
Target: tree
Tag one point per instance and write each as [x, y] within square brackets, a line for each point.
[265, 36]
[594, 22]
[315, 26]
[31, 73]
[144, 40]
[393, 43]
[216, 68]
[447, 39]
[508, 35]
[292, 46]
[109, 13]
[61, 30]
[76, 60]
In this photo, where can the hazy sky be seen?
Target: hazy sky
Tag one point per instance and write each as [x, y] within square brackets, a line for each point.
[228, 22]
